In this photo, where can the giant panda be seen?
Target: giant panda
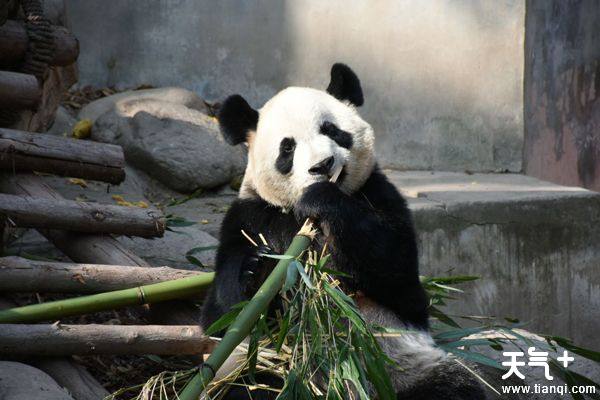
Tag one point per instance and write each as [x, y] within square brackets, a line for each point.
[295, 143]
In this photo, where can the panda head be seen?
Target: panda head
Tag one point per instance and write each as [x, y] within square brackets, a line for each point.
[301, 136]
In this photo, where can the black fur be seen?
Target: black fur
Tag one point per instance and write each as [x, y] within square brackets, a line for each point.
[345, 85]
[285, 159]
[384, 267]
[341, 137]
[236, 119]
[448, 380]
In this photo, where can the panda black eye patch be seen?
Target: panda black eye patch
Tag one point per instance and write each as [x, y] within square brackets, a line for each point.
[341, 137]
[285, 159]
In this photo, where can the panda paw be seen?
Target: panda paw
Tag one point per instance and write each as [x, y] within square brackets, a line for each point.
[316, 200]
[255, 270]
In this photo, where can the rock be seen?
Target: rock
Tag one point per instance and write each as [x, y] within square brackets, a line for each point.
[170, 250]
[63, 123]
[172, 142]
[168, 94]
[22, 382]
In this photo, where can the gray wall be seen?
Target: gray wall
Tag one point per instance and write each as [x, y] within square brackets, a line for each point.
[562, 92]
[442, 79]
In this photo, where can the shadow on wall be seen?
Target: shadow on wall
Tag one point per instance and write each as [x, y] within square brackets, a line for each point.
[443, 80]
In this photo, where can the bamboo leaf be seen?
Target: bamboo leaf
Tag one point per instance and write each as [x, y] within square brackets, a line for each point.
[277, 256]
[195, 261]
[303, 274]
[291, 277]
[473, 356]
[223, 322]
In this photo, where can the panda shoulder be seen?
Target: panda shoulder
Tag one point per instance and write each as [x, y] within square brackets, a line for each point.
[381, 192]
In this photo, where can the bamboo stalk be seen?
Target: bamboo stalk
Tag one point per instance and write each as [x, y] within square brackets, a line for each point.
[24, 275]
[60, 340]
[157, 292]
[243, 324]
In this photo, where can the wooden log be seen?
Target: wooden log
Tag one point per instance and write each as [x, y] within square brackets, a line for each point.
[25, 151]
[19, 91]
[100, 249]
[61, 340]
[23, 275]
[67, 373]
[14, 42]
[33, 212]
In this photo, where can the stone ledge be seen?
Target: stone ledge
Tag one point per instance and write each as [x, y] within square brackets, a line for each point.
[533, 243]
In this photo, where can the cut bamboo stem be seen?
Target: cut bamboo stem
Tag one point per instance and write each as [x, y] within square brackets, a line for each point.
[25, 151]
[247, 318]
[33, 212]
[24, 275]
[154, 293]
[63, 340]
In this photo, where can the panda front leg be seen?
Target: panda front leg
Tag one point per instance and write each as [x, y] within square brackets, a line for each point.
[240, 272]
[376, 247]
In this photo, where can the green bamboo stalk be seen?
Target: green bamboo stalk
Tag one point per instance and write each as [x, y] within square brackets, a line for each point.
[154, 293]
[247, 318]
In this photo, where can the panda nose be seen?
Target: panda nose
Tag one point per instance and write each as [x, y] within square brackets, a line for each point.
[322, 167]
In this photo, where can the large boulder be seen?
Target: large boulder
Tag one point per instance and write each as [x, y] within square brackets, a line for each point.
[63, 123]
[23, 382]
[174, 95]
[164, 133]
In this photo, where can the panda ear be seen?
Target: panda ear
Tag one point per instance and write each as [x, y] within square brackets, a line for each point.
[344, 85]
[236, 119]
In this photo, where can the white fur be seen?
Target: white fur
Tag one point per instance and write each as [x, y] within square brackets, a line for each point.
[414, 350]
[298, 113]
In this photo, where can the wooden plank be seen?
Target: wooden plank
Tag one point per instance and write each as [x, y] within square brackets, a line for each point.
[14, 42]
[94, 339]
[24, 275]
[25, 151]
[19, 91]
[34, 212]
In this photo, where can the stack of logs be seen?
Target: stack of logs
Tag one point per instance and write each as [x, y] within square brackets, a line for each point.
[19, 90]
[83, 232]
[37, 63]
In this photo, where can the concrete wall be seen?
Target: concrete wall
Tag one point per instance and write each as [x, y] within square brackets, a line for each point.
[443, 79]
[562, 92]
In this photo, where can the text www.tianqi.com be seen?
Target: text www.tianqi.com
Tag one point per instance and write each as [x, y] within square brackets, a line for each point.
[549, 389]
